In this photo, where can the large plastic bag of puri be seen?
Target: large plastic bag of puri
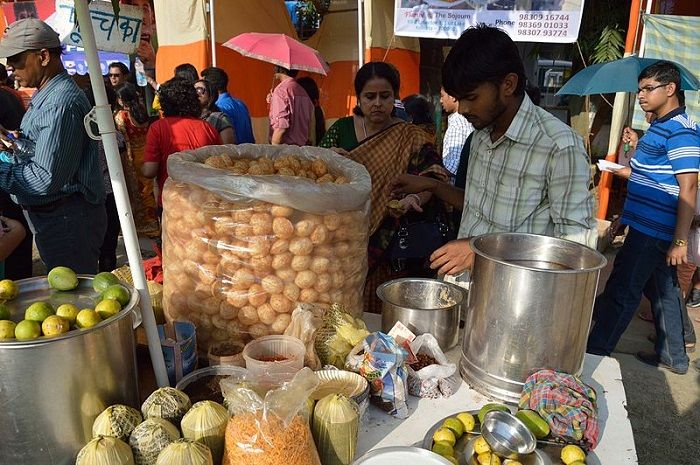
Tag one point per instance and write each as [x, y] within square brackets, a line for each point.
[268, 427]
[252, 230]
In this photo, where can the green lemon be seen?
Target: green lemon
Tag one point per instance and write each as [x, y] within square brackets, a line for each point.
[39, 311]
[481, 446]
[445, 435]
[5, 313]
[443, 448]
[108, 308]
[62, 278]
[534, 423]
[451, 459]
[7, 330]
[8, 289]
[468, 421]
[488, 407]
[87, 318]
[571, 453]
[455, 425]
[487, 458]
[117, 292]
[26, 330]
[103, 280]
[68, 312]
[54, 325]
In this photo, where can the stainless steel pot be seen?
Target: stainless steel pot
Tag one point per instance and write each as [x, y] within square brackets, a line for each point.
[51, 389]
[530, 307]
[424, 306]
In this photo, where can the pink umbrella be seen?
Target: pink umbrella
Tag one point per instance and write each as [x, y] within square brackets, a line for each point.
[279, 49]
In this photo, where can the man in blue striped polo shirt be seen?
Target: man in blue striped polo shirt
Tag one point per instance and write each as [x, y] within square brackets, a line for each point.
[55, 176]
[659, 209]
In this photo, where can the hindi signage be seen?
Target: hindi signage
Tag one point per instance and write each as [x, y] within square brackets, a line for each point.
[524, 20]
[113, 33]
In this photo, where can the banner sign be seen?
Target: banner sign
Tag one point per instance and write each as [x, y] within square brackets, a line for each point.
[524, 20]
[112, 34]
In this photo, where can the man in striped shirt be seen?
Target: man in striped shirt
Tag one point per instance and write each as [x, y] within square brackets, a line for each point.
[55, 175]
[458, 130]
[659, 209]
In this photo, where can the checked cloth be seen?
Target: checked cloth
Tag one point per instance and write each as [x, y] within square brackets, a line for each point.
[566, 403]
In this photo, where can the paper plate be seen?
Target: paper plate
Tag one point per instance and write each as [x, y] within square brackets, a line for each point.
[341, 382]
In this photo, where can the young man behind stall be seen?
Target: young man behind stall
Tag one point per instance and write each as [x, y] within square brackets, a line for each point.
[528, 172]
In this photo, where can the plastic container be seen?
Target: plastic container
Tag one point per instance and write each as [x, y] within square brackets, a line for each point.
[273, 355]
[198, 393]
[226, 353]
[401, 454]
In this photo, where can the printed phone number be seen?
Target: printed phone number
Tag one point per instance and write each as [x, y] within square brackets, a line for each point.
[541, 25]
[543, 32]
[543, 17]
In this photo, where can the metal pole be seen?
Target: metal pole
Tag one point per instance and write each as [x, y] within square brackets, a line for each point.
[212, 32]
[618, 115]
[360, 35]
[105, 122]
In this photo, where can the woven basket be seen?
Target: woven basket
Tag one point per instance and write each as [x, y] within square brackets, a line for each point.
[155, 290]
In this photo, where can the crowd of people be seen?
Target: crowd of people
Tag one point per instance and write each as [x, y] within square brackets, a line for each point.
[505, 165]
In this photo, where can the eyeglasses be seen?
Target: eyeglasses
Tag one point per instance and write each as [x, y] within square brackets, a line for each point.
[115, 75]
[200, 90]
[648, 89]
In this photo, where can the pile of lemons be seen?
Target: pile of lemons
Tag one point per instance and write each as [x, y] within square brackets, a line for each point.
[40, 318]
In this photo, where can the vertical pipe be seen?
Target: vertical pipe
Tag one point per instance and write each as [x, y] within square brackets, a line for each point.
[105, 122]
[618, 114]
[360, 35]
[212, 32]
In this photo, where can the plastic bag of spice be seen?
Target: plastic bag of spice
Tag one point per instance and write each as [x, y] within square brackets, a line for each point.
[269, 429]
[431, 375]
[382, 362]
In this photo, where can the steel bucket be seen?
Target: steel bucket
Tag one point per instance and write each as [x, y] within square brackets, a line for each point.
[424, 306]
[530, 307]
[51, 389]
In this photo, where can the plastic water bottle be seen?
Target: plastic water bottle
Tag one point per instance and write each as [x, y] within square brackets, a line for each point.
[22, 147]
[141, 80]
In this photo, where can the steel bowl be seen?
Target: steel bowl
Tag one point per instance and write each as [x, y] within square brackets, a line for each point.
[423, 306]
[507, 435]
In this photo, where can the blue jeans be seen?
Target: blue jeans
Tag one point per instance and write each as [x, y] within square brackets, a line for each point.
[640, 267]
[71, 235]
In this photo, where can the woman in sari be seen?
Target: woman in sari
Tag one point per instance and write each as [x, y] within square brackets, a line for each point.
[131, 120]
[387, 147]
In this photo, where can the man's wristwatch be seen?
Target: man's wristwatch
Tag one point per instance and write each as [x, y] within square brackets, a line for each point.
[680, 242]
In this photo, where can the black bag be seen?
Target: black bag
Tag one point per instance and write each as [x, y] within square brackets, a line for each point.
[416, 240]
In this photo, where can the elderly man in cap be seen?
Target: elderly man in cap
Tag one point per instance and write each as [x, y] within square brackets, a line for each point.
[55, 176]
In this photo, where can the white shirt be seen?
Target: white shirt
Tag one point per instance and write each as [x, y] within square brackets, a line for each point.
[458, 129]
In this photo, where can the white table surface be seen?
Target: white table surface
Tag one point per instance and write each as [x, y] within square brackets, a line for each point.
[616, 445]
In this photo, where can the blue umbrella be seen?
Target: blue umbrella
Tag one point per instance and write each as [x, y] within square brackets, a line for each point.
[618, 76]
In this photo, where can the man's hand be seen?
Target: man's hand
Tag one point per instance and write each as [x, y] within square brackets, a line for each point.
[452, 258]
[624, 172]
[409, 184]
[677, 255]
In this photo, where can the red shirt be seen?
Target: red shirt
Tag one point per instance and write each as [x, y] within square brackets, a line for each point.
[174, 134]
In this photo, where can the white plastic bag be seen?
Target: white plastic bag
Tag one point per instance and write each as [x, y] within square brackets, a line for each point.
[433, 381]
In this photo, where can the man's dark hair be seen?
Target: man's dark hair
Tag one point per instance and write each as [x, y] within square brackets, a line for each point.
[419, 109]
[217, 77]
[122, 67]
[24, 10]
[187, 72]
[665, 72]
[179, 98]
[481, 54]
[288, 72]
